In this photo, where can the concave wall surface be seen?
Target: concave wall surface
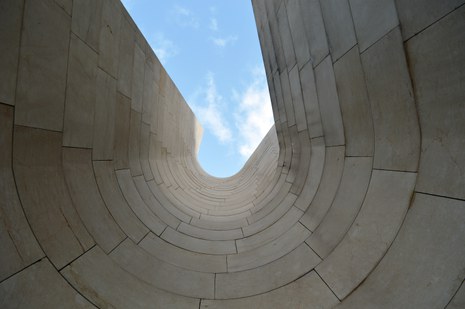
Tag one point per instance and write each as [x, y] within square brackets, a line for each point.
[354, 199]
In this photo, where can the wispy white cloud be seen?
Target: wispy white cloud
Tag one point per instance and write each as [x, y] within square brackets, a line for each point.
[213, 24]
[163, 47]
[254, 116]
[184, 17]
[210, 112]
[224, 41]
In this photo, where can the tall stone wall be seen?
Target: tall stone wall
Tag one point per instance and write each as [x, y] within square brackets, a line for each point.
[354, 199]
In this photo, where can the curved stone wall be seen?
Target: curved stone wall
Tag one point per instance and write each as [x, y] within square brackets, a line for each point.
[354, 199]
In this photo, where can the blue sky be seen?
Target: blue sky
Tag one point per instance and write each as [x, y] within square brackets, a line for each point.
[211, 51]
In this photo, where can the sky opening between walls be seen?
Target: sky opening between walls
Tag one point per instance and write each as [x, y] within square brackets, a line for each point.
[211, 51]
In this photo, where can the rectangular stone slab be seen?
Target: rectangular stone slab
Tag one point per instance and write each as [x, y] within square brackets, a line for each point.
[419, 270]
[268, 277]
[84, 192]
[40, 95]
[309, 289]
[101, 280]
[19, 247]
[45, 198]
[40, 286]
[373, 231]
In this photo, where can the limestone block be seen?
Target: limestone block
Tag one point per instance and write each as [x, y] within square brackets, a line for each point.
[276, 37]
[314, 29]
[286, 38]
[134, 142]
[212, 225]
[309, 289]
[355, 106]
[270, 200]
[40, 286]
[339, 26]
[150, 84]
[269, 252]
[19, 246]
[274, 231]
[297, 99]
[197, 244]
[80, 95]
[126, 57]
[209, 234]
[10, 31]
[297, 30]
[169, 253]
[345, 207]
[397, 135]
[371, 234]
[315, 171]
[145, 139]
[312, 109]
[43, 63]
[122, 124]
[295, 159]
[86, 21]
[272, 216]
[105, 113]
[153, 204]
[458, 301]
[66, 5]
[437, 66]
[109, 37]
[287, 98]
[328, 100]
[267, 277]
[279, 97]
[102, 281]
[327, 188]
[416, 15]
[115, 202]
[163, 275]
[45, 197]
[373, 20]
[304, 163]
[79, 175]
[424, 266]
[138, 79]
[136, 203]
[154, 188]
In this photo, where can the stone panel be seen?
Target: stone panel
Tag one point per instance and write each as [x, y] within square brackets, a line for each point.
[372, 20]
[40, 286]
[104, 120]
[19, 246]
[425, 265]
[10, 32]
[80, 95]
[86, 21]
[328, 100]
[355, 106]
[43, 64]
[44, 195]
[339, 26]
[437, 62]
[397, 134]
[416, 15]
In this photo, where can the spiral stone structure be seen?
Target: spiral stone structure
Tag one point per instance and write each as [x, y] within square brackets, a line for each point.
[354, 199]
